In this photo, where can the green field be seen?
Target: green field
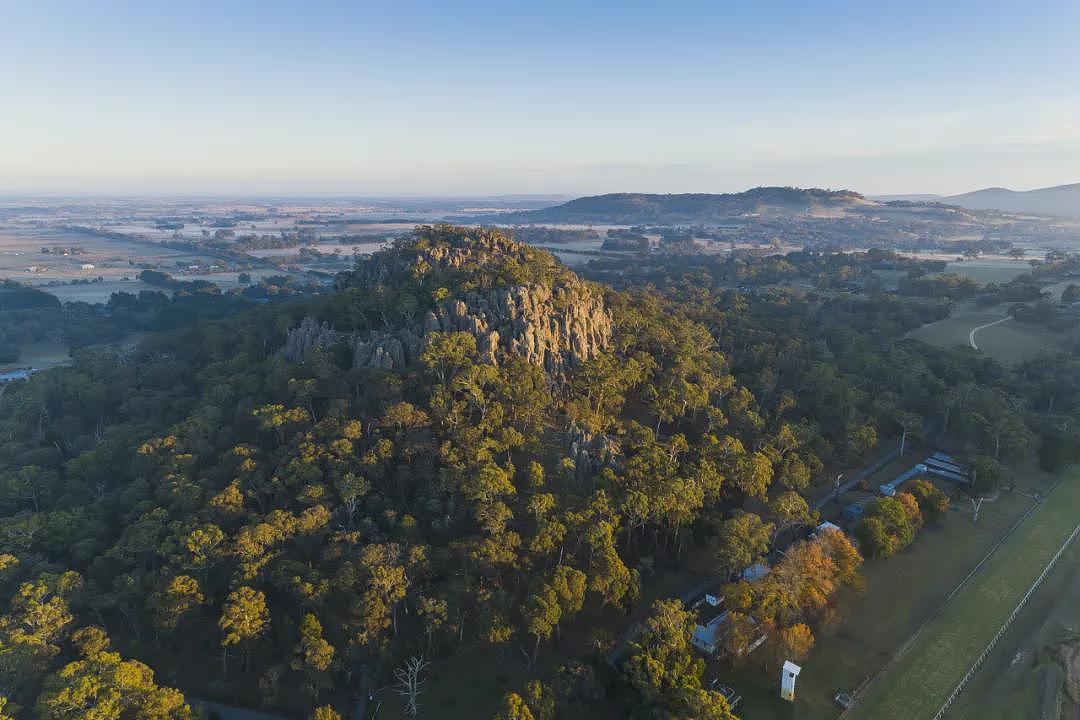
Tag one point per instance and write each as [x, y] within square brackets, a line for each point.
[1021, 678]
[981, 271]
[920, 681]
[42, 355]
[954, 330]
[1012, 342]
[989, 270]
[1009, 342]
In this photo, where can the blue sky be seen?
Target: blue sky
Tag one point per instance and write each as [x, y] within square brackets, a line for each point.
[536, 97]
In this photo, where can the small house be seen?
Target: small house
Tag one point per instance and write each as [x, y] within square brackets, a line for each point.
[756, 572]
[708, 637]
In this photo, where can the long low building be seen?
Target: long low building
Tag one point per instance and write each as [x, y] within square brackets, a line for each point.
[939, 464]
[889, 489]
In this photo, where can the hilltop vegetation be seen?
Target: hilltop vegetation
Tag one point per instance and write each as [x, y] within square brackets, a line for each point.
[642, 208]
[464, 445]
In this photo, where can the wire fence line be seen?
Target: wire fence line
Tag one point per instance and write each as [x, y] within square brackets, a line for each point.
[903, 649]
[1005, 626]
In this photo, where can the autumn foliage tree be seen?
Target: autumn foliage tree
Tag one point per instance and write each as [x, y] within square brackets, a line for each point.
[932, 501]
[796, 591]
[889, 524]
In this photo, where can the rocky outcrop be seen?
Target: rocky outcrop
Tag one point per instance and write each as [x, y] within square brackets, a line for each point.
[309, 335]
[553, 329]
[591, 452]
[379, 349]
[555, 322]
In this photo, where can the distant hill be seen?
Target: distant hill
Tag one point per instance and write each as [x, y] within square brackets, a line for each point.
[1063, 200]
[638, 208]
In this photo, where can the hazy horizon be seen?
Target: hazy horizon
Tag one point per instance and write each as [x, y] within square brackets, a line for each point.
[555, 197]
[488, 99]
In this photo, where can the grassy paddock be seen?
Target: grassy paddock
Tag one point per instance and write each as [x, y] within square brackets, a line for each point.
[42, 355]
[917, 685]
[1008, 342]
[954, 330]
[1020, 677]
[989, 270]
[1013, 342]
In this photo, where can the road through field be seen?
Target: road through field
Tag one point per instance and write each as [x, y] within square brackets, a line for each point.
[920, 681]
[971, 335]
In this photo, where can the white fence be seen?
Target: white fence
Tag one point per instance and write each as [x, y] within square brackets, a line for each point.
[1005, 626]
[862, 690]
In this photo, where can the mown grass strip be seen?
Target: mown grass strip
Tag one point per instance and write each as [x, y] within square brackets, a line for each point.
[920, 681]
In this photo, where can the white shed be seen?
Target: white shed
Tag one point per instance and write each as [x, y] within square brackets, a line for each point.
[788, 673]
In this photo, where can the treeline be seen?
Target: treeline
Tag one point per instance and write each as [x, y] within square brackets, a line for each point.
[266, 241]
[20, 305]
[16, 296]
[754, 268]
[79, 324]
[541, 235]
[949, 285]
[165, 280]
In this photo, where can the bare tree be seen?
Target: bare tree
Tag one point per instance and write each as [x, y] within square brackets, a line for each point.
[976, 503]
[410, 684]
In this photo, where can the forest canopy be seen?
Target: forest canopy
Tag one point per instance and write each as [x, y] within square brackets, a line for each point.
[264, 514]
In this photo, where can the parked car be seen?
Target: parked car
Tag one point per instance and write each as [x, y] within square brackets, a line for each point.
[844, 700]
